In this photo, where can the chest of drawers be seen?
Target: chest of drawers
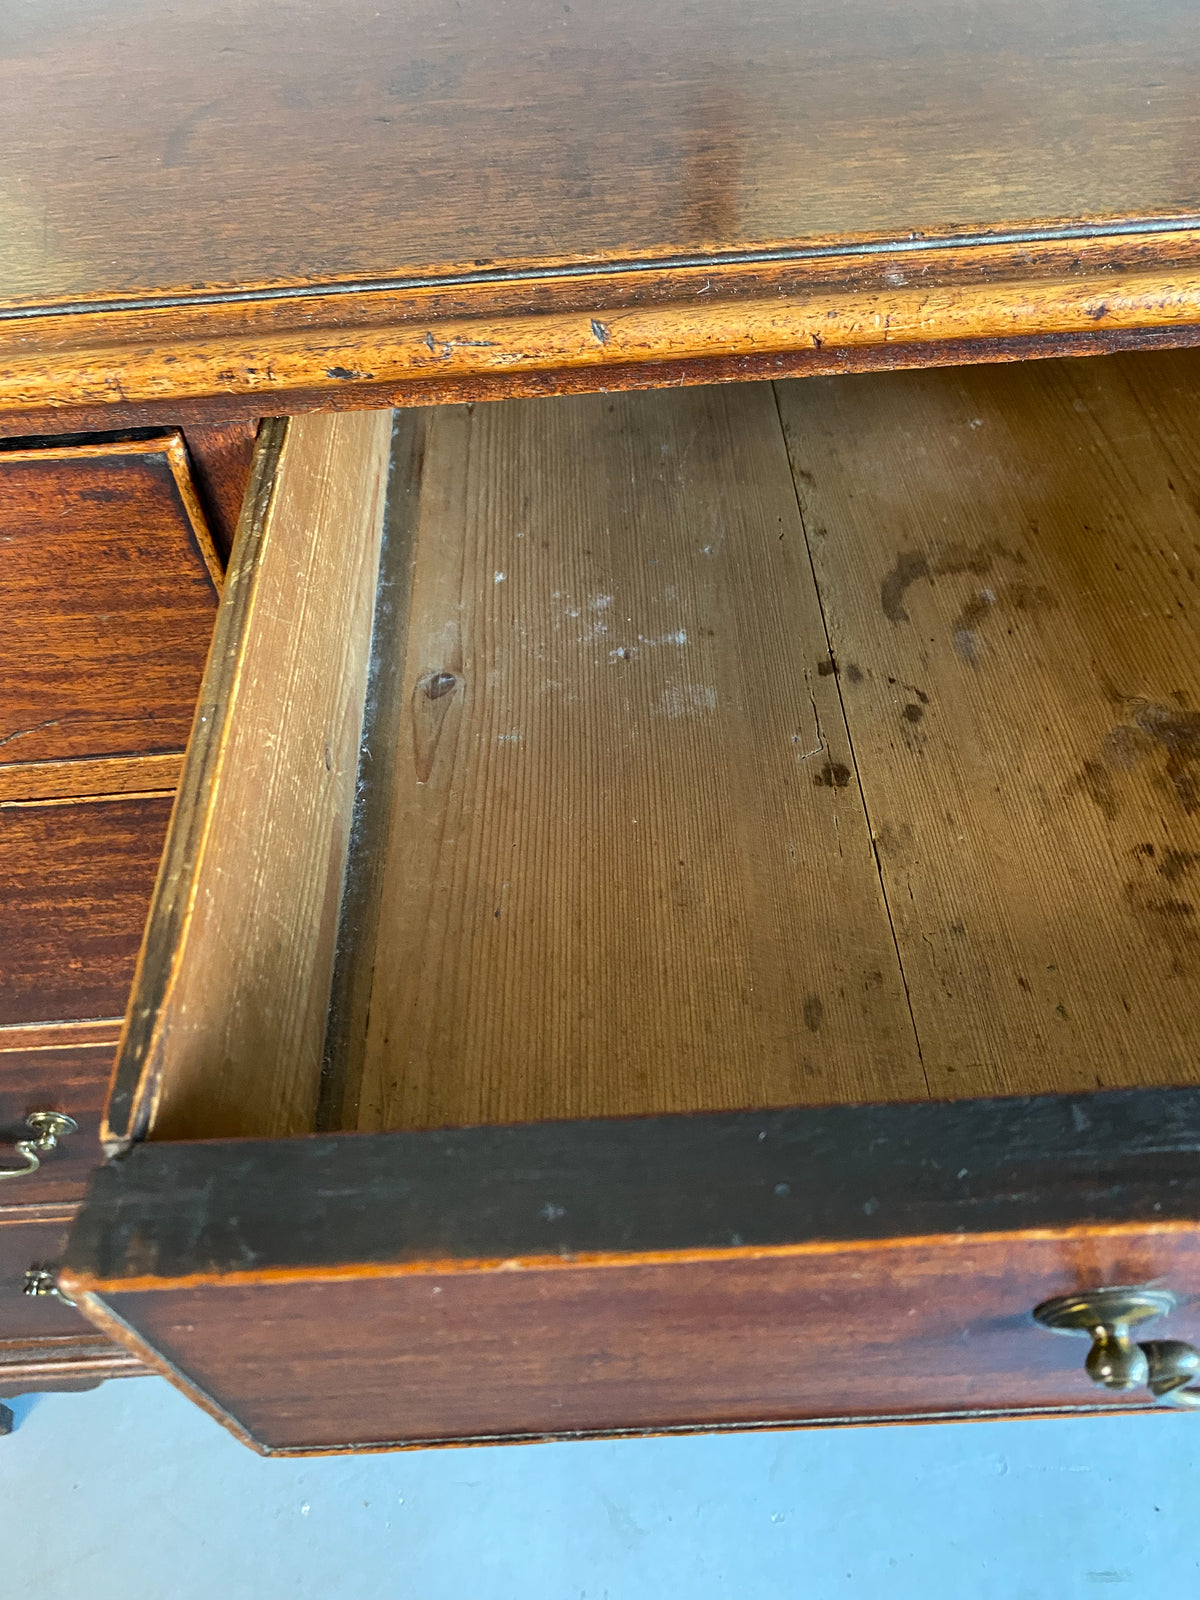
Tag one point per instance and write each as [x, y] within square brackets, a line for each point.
[678, 909]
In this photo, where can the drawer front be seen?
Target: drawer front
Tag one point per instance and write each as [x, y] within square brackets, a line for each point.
[74, 891]
[72, 1079]
[108, 584]
[25, 1247]
[828, 1264]
[834, 1337]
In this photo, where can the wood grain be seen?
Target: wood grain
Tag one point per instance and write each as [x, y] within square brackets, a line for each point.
[1007, 561]
[109, 586]
[628, 869]
[73, 896]
[676, 130]
[233, 982]
[908, 1333]
[440, 150]
[828, 1264]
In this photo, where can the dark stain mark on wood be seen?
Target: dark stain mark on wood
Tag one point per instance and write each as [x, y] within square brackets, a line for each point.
[1170, 921]
[909, 567]
[827, 668]
[1178, 733]
[345, 373]
[958, 561]
[1097, 783]
[854, 673]
[1125, 747]
[913, 713]
[813, 1012]
[833, 775]
[180, 137]
[1177, 864]
[1004, 597]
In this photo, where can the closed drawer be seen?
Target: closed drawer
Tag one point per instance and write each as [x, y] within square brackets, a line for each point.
[74, 893]
[108, 584]
[678, 915]
[49, 1074]
[28, 1248]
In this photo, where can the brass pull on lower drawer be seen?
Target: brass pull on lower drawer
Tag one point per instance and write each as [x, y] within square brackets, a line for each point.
[40, 1282]
[1108, 1317]
[47, 1127]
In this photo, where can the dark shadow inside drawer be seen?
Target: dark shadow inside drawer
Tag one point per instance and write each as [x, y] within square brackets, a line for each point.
[832, 741]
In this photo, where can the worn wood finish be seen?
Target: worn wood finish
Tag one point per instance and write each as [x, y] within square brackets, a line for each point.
[738, 1270]
[681, 372]
[626, 870]
[499, 181]
[109, 583]
[235, 972]
[73, 895]
[70, 1078]
[1007, 560]
[380, 353]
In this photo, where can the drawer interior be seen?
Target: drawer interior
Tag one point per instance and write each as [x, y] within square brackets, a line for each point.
[828, 741]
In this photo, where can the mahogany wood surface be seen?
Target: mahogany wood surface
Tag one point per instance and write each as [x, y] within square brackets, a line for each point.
[77, 880]
[108, 582]
[284, 197]
[640, 1274]
[221, 454]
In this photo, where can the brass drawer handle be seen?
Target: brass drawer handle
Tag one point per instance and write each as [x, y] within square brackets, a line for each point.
[48, 1127]
[40, 1282]
[1108, 1316]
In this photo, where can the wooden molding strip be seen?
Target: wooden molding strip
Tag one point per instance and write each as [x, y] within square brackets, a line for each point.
[60, 1035]
[19, 1213]
[344, 342]
[75, 1362]
[89, 778]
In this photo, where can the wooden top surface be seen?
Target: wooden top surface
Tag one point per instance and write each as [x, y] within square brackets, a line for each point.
[157, 152]
[308, 158]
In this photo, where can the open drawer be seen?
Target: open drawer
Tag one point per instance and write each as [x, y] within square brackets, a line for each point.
[682, 912]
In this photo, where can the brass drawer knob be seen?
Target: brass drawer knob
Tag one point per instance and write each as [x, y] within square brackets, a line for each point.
[47, 1127]
[40, 1283]
[1108, 1317]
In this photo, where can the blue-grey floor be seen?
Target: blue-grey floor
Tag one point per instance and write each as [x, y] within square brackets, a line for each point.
[129, 1493]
